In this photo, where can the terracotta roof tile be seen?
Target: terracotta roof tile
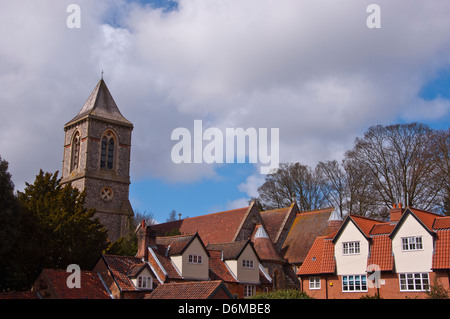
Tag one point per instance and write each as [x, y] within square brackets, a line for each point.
[91, 285]
[365, 224]
[187, 290]
[427, 218]
[226, 225]
[320, 258]
[441, 256]
[442, 223]
[381, 252]
[120, 267]
[217, 268]
[382, 229]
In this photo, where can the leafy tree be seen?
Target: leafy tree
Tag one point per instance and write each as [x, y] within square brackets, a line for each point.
[67, 232]
[14, 272]
[282, 294]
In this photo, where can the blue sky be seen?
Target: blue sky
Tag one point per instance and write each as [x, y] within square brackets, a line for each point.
[312, 69]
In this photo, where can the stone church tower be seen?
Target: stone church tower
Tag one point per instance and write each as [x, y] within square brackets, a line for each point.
[96, 158]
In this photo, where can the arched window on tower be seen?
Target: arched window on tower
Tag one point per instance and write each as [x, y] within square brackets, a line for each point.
[75, 160]
[107, 152]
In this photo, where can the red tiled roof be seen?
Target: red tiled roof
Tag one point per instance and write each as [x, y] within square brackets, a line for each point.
[320, 258]
[120, 267]
[18, 295]
[264, 245]
[365, 224]
[382, 229]
[188, 290]
[225, 225]
[91, 285]
[217, 268]
[441, 257]
[164, 260]
[177, 243]
[381, 253]
[427, 218]
[442, 223]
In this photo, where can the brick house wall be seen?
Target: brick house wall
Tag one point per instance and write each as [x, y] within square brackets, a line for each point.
[331, 287]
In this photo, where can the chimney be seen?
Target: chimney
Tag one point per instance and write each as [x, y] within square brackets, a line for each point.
[396, 212]
[146, 238]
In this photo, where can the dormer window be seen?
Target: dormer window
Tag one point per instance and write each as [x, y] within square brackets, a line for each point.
[144, 282]
[195, 259]
[247, 263]
[107, 151]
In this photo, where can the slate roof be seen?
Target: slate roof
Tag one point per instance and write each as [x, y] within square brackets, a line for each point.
[188, 290]
[102, 105]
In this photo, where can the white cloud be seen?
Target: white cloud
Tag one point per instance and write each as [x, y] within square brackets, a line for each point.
[311, 68]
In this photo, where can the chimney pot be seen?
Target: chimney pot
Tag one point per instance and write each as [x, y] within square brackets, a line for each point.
[396, 212]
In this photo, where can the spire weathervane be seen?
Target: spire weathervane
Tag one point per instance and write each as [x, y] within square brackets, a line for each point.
[102, 74]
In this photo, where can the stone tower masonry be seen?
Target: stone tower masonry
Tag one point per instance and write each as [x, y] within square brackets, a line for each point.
[96, 158]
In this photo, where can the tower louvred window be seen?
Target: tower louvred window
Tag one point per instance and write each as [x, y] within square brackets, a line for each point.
[107, 152]
[75, 152]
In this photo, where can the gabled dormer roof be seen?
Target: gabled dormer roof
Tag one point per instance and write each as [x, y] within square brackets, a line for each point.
[424, 218]
[232, 250]
[363, 224]
[176, 245]
[101, 105]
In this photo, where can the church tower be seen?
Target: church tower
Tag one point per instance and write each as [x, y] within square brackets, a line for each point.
[96, 158]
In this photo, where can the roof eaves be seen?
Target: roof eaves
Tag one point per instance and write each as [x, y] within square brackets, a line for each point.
[403, 218]
[347, 219]
[158, 262]
[111, 273]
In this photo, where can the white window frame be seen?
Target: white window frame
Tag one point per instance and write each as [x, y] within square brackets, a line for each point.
[354, 283]
[145, 282]
[249, 290]
[247, 263]
[314, 283]
[351, 248]
[412, 243]
[195, 259]
[419, 281]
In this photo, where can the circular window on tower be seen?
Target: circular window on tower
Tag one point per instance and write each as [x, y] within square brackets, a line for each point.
[107, 194]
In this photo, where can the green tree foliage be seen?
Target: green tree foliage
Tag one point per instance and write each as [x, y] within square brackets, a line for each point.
[14, 272]
[68, 232]
[283, 294]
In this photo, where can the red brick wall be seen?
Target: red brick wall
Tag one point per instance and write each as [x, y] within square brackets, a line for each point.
[331, 287]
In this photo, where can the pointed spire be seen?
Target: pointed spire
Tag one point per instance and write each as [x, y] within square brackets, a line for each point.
[101, 104]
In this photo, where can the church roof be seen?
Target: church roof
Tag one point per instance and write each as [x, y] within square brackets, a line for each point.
[101, 104]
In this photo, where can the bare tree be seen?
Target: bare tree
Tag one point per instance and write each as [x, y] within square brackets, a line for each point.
[440, 144]
[337, 181]
[308, 186]
[398, 159]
